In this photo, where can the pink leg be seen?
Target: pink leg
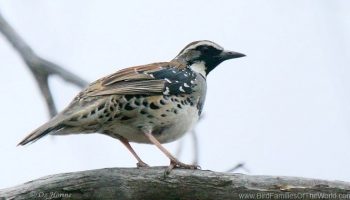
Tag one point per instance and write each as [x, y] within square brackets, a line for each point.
[173, 161]
[128, 146]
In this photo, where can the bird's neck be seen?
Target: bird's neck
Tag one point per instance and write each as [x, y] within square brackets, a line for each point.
[198, 66]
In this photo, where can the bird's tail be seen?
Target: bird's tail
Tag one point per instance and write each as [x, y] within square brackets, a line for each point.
[51, 126]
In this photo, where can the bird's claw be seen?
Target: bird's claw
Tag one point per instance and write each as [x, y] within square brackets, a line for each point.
[178, 164]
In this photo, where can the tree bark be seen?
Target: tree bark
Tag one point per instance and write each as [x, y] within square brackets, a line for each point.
[151, 183]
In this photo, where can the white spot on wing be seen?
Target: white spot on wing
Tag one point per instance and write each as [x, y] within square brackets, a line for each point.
[166, 92]
[181, 89]
[186, 85]
[167, 80]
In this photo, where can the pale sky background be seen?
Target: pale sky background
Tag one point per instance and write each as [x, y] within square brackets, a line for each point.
[283, 110]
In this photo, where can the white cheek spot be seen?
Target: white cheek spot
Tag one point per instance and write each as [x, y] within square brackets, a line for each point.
[199, 67]
[176, 81]
[192, 82]
[186, 85]
[151, 75]
[181, 89]
[167, 80]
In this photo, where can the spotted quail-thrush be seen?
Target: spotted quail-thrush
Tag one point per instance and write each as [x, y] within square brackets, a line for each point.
[155, 103]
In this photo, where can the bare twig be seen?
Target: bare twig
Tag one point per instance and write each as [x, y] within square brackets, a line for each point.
[150, 183]
[194, 144]
[179, 147]
[237, 167]
[41, 68]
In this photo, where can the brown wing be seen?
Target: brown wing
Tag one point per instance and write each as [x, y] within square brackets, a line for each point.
[133, 80]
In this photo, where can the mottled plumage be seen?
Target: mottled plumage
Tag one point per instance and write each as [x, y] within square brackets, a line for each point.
[154, 103]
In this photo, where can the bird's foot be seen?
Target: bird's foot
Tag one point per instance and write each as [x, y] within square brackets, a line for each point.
[178, 164]
[141, 164]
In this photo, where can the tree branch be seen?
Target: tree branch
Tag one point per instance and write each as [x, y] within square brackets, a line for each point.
[40, 67]
[150, 183]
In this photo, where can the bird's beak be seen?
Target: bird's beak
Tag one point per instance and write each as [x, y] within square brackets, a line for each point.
[225, 55]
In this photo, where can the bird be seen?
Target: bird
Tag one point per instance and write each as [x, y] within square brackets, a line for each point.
[153, 104]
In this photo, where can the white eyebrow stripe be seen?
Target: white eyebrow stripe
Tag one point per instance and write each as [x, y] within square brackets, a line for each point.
[208, 43]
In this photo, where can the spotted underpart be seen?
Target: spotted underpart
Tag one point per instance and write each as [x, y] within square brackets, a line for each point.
[121, 112]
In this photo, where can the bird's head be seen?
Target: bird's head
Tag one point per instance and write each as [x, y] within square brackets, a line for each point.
[204, 55]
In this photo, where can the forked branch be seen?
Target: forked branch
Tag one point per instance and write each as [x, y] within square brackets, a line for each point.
[41, 68]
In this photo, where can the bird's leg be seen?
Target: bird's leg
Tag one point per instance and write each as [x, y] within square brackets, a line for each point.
[173, 161]
[140, 163]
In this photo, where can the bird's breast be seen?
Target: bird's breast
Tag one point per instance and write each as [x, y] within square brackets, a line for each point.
[168, 117]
